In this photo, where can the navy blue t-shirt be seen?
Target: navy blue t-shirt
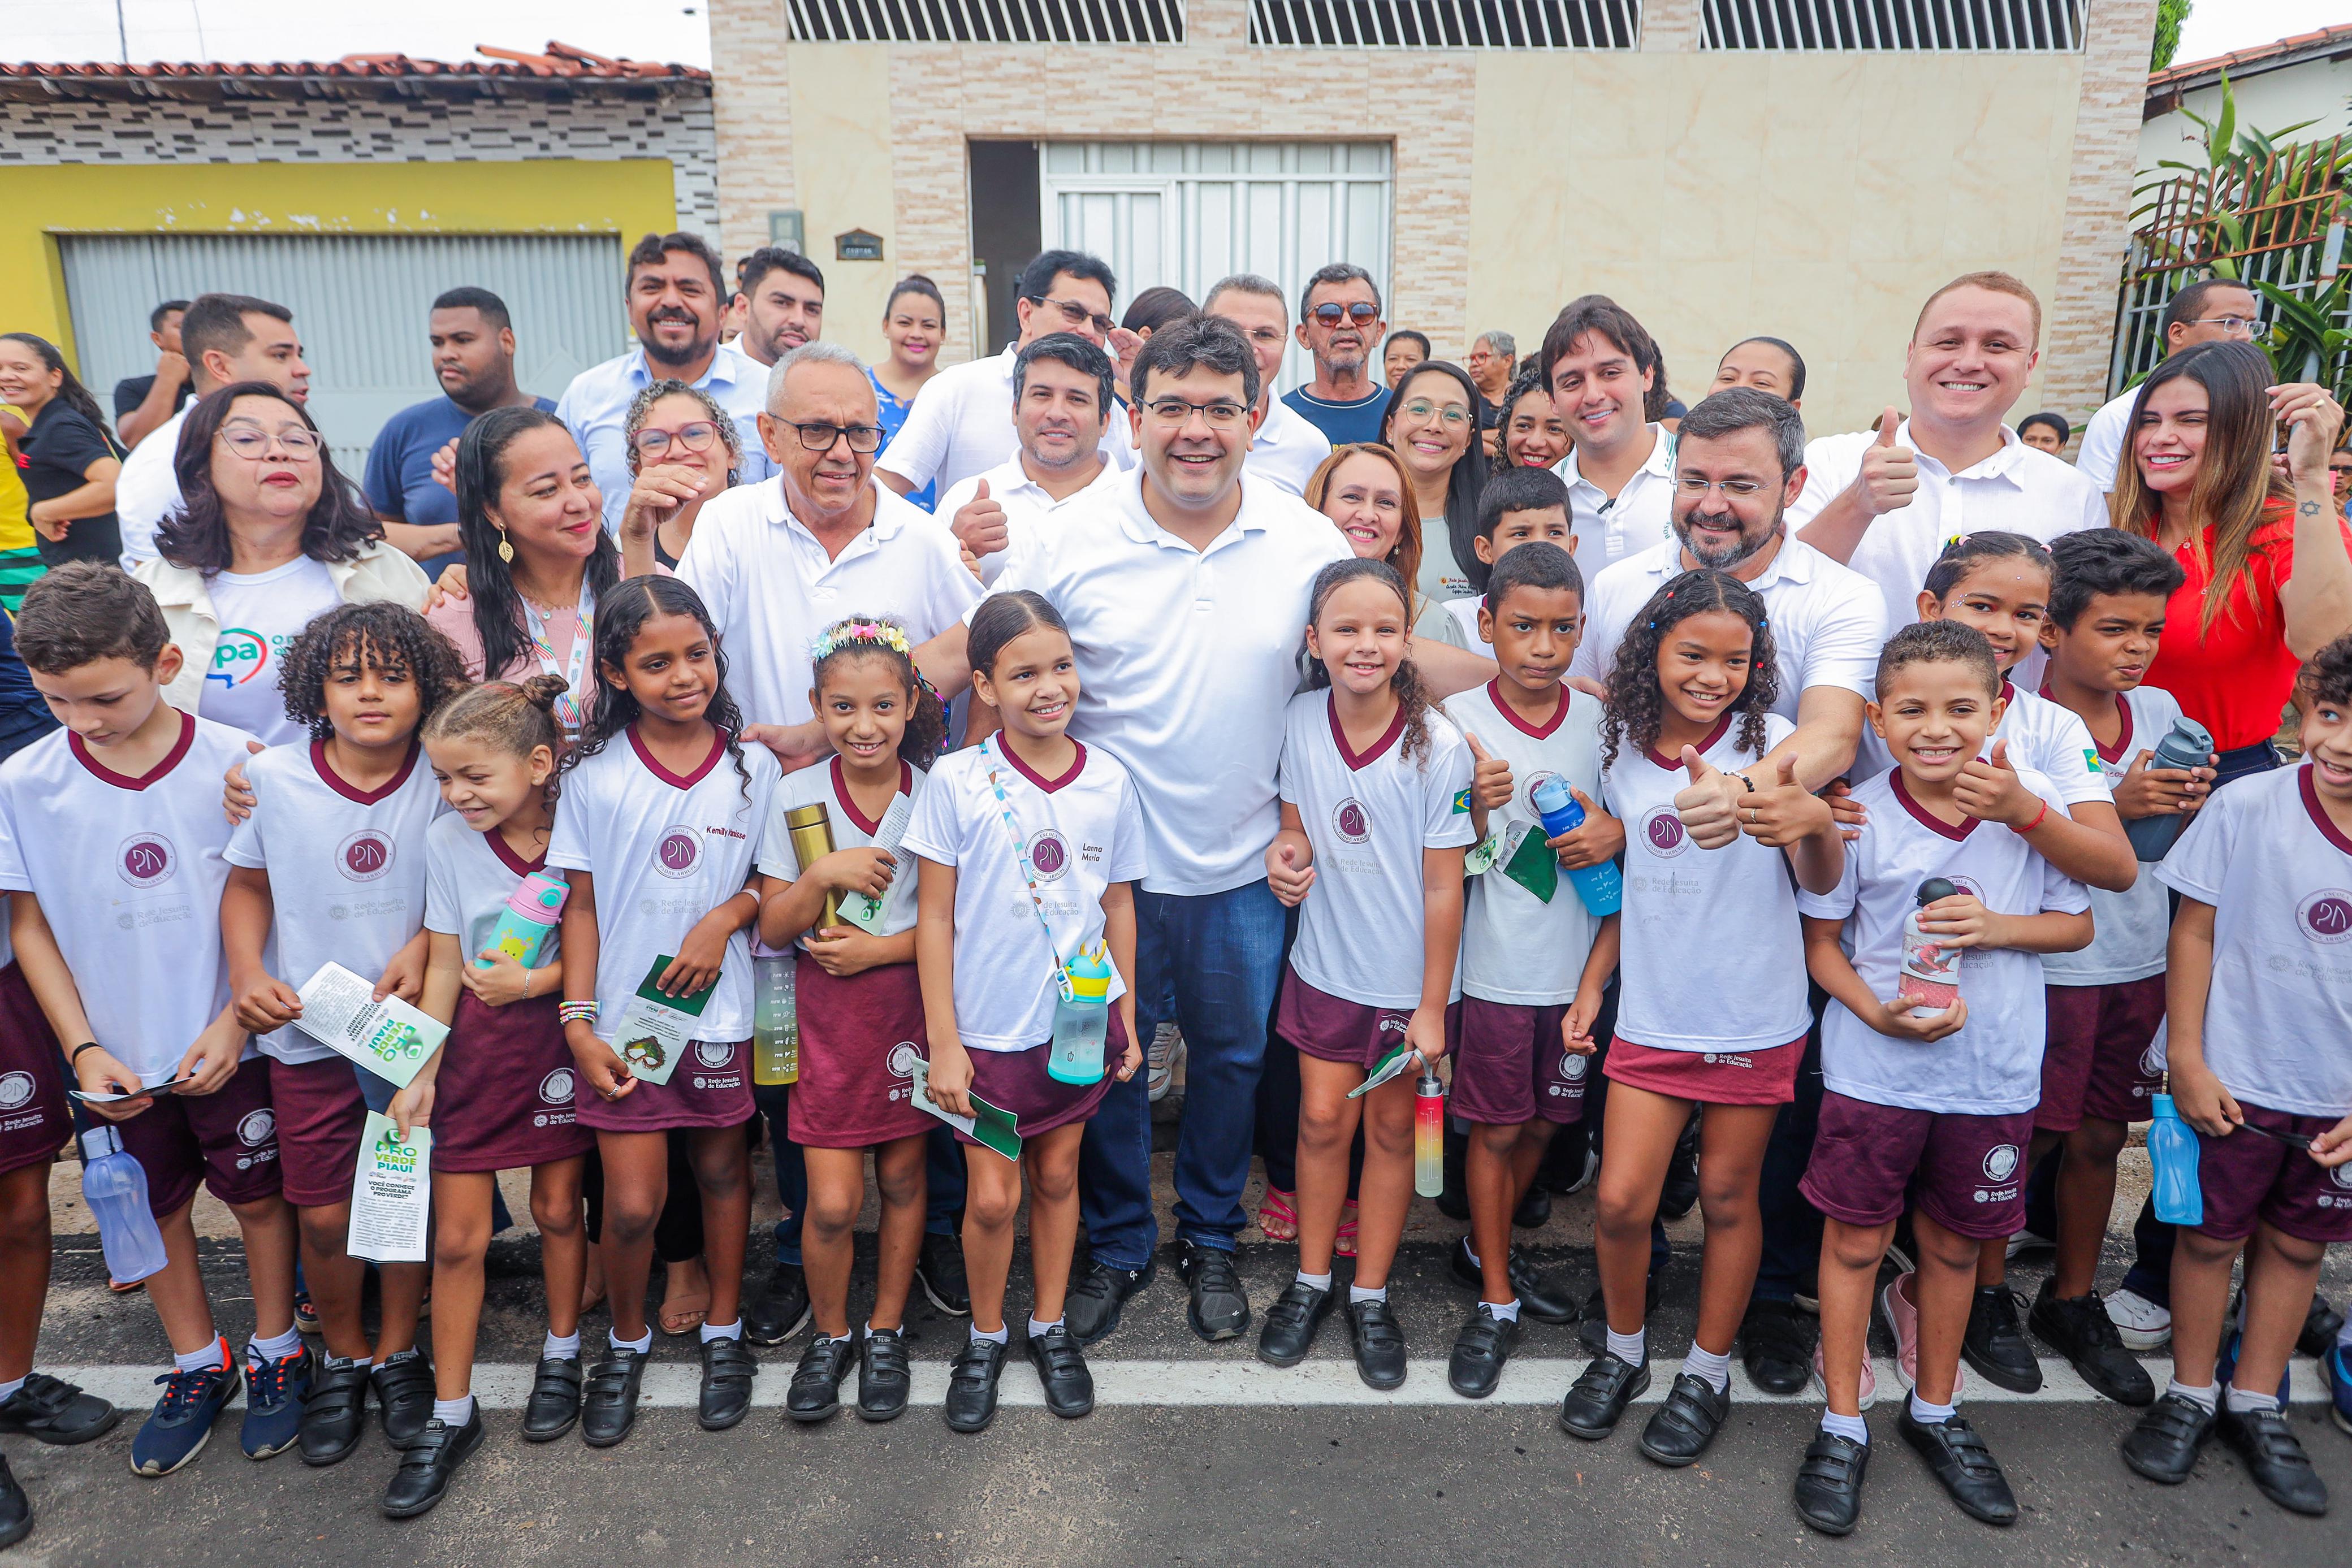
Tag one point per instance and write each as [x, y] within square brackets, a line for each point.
[399, 483]
[24, 717]
[1342, 423]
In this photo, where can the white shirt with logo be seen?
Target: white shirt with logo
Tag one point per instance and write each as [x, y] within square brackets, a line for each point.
[2133, 926]
[259, 616]
[1369, 816]
[1992, 1065]
[129, 873]
[823, 785]
[467, 879]
[1028, 507]
[2042, 735]
[1608, 528]
[346, 867]
[2278, 873]
[1084, 831]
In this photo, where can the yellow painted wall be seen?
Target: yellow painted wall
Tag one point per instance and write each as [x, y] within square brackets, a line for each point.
[842, 179]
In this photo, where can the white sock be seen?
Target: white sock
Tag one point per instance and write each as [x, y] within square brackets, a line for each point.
[993, 1336]
[871, 1331]
[1716, 1370]
[2208, 1398]
[1633, 1349]
[561, 1347]
[454, 1412]
[1503, 1312]
[722, 1330]
[2244, 1402]
[265, 1351]
[1039, 1331]
[643, 1344]
[1356, 1294]
[8, 1389]
[1928, 1414]
[1853, 1428]
[210, 1359]
[1319, 1281]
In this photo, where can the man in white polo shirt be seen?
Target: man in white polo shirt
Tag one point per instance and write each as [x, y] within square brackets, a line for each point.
[1061, 404]
[962, 424]
[1599, 365]
[2215, 310]
[1287, 448]
[1885, 502]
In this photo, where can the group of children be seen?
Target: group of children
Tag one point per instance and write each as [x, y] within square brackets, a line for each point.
[1444, 911]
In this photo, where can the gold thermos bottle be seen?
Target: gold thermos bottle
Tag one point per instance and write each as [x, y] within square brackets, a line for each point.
[811, 827]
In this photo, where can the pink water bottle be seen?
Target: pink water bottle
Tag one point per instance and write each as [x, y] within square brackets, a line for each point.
[533, 912]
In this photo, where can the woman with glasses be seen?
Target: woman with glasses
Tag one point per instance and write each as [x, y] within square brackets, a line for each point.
[267, 535]
[914, 324]
[682, 449]
[1533, 436]
[1432, 425]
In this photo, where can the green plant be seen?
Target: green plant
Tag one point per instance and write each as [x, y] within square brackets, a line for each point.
[2169, 14]
[2305, 341]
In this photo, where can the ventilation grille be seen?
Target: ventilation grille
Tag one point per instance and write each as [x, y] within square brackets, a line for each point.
[988, 21]
[1445, 24]
[1903, 26]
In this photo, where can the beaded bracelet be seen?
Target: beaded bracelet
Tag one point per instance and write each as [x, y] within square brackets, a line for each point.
[576, 1012]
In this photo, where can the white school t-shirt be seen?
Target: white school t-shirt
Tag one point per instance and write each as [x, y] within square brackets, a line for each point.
[346, 867]
[1515, 948]
[825, 786]
[468, 877]
[2042, 735]
[2131, 926]
[1992, 1066]
[129, 873]
[665, 850]
[2278, 1018]
[1737, 906]
[1083, 830]
[259, 616]
[1368, 815]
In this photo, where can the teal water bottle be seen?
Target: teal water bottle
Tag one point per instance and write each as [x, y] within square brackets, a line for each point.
[533, 912]
[2172, 1151]
[1601, 887]
[1081, 1022]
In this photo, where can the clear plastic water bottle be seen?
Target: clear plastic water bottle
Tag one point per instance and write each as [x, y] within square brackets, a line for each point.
[2186, 744]
[114, 1185]
[1601, 887]
[1428, 1135]
[1931, 972]
[775, 1019]
[2172, 1152]
[1081, 1022]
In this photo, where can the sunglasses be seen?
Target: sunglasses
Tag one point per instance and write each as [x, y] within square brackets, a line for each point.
[1361, 314]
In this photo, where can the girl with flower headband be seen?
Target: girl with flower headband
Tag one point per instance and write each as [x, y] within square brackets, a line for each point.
[860, 1007]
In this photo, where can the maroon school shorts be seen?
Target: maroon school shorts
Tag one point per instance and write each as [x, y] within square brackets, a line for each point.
[1510, 1064]
[2248, 1178]
[861, 1036]
[227, 1140]
[2100, 1059]
[1332, 1028]
[1967, 1172]
[321, 1118]
[1767, 1077]
[1016, 1081]
[503, 1098]
[35, 1118]
[711, 1088]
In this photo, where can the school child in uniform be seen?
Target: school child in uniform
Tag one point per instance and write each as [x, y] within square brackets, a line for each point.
[859, 1003]
[111, 843]
[1691, 697]
[2258, 1010]
[1030, 846]
[1937, 1104]
[1532, 970]
[498, 1095]
[1375, 819]
[1519, 505]
[662, 807]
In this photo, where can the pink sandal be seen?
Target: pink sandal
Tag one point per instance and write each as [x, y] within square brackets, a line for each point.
[1344, 1243]
[1277, 1217]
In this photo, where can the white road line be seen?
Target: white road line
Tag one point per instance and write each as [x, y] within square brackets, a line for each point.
[671, 1384]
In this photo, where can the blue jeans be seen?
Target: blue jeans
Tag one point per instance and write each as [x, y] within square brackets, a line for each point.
[942, 1165]
[1219, 954]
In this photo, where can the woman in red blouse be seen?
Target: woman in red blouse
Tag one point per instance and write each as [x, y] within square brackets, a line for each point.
[2269, 559]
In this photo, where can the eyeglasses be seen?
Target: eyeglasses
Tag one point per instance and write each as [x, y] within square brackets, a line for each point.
[1733, 489]
[1360, 313]
[1453, 413]
[246, 441]
[695, 436]
[2232, 326]
[1176, 412]
[819, 436]
[1077, 315]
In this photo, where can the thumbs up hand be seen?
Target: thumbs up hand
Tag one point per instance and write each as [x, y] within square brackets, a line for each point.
[1710, 803]
[1890, 474]
[1491, 784]
[980, 524]
[1989, 790]
[1786, 813]
[1287, 871]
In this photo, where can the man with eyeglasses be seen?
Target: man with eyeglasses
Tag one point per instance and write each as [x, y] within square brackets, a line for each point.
[1286, 448]
[1599, 364]
[2214, 311]
[962, 424]
[1061, 402]
[1339, 324]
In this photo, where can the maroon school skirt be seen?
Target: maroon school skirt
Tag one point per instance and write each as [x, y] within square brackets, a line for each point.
[1016, 1081]
[710, 1088]
[503, 1098]
[34, 1120]
[860, 1038]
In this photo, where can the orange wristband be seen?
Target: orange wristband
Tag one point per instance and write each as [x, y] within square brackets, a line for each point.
[2035, 824]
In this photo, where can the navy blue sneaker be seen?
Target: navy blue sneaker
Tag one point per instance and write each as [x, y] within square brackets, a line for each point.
[2226, 1367]
[176, 1430]
[2335, 1366]
[274, 1392]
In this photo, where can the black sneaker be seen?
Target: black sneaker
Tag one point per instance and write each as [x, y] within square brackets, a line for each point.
[1679, 1196]
[728, 1368]
[1596, 1401]
[1062, 1369]
[780, 1309]
[553, 1408]
[1538, 1297]
[2080, 1330]
[2273, 1457]
[814, 1391]
[971, 1384]
[939, 1268]
[1961, 1461]
[1379, 1340]
[1776, 1344]
[2320, 1327]
[1219, 1309]
[1679, 1430]
[883, 1376]
[1593, 1323]
[608, 1403]
[1533, 1209]
[53, 1411]
[1096, 1297]
[1480, 1348]
[1829, 1483]
[404, 1395]
[1292, 1322]
[334, 1414]
[2163, 1445]
[1995, 1345]
[15, 1508]
[428, 1462]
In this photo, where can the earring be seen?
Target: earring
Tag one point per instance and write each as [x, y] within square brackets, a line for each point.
[506, 550]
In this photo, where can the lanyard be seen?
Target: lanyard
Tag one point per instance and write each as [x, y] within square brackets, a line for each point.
[1028, 874]
[569, 705]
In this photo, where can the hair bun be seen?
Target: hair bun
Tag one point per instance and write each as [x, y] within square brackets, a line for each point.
[541, 690]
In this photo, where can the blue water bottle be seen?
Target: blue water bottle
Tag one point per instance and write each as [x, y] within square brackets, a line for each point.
[1601, 886]
[1081, 1021]
[114, 1185]
[2172, 1151]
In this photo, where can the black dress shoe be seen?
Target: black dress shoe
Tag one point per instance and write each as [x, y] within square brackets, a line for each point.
[1679, 1195]
[554, 1403]
[1596, 1401]
[814, 1391]
[2163, 1445]
[1593, 1323]
[1096, 1297]
[1538, 1297]
[56, 1412]
[1681, 1428]
[971, 1384]
[404, 1395]
[1379, 1340]
[1291, 1325]
[1962, 1462]
[15, 1508]
[2274, 1455]
[939, 1268]
[1829, 1483]
[2320, 1327]
[608, 1406]
[1776, 1344]
[2080, 1330]
[1481, 1347]
[1219, 1309]
[780, 1309]
[1994, 1343]
[1533, 1209]
[428, 1462]
[883, 1376]
[727, 1369]
[334, 1414]
[1062, 1368]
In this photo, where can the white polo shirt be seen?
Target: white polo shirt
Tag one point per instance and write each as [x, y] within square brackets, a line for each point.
[962, 425]
[596, 408]
[1187, 660]
[2102, 451]
[771, 587]
[1288, 447]
[1827, 621]
[2017, 490]
[1029, 508]
[148, 489]
[1607, 529]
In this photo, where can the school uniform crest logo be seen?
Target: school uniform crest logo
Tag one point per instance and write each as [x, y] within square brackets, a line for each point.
[1351, 822]
[1049, 854]
[1661, 830]
[143, 860]
[678, 851]
[2341, 1175]
[2151, 1061]
[556, 1087]
[15, 1088]
[2327, 915]
[1574, 1065]
[901, 1064]
[257, 1128]
[365, 855]
[2001, 1162]
[714, 1053]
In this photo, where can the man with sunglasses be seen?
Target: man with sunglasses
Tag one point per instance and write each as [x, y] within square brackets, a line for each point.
[2215, 310]
[1339, 323]
[962, 424]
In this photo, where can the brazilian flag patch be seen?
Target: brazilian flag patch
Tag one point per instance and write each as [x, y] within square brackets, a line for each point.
[2091, 757]
[1462, 800]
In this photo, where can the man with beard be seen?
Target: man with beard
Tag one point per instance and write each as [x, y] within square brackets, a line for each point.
[676, 299]
[1061, 402]
[1338, 322]
[783, 302]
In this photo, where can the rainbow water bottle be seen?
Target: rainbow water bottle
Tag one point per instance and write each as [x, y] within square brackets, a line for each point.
[114, 1185]
[533, 912]
[1601, 887]
[2172, 1152]
[1428, 1134]
[1081, 1019]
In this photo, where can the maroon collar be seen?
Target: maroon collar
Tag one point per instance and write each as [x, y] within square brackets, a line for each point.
[2319, 817]
[2122, 747]
[123, 780]
[1703, 746]
[508, 859]
[353, 792]
[870, 826]
[1360, 761]
[677, 780]
[1511, 716]
[1078, 765]
[1923, 816]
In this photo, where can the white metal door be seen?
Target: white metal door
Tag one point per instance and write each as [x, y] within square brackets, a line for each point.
[1187, 213]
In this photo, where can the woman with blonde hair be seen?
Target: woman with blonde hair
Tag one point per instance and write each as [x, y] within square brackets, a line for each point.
[1367, 493]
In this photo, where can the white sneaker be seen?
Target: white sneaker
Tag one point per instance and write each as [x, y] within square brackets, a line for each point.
[2139, 1322]
[1869, 1379]
[2025, 1242]
[1167, 1050]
